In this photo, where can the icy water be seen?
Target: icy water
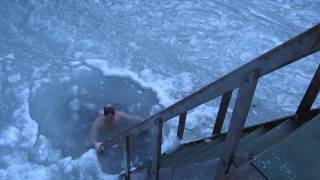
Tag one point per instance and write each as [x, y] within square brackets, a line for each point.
[62, 61]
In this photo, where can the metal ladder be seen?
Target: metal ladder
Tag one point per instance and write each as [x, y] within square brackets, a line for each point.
[245, 78]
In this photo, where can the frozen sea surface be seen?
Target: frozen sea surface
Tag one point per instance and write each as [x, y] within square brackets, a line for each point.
[60, 61]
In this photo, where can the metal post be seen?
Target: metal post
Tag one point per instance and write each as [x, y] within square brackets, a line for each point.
[182, 122]
[238, 119]
[225, 100]
[126, 157]
[157, 141]
[311, 93]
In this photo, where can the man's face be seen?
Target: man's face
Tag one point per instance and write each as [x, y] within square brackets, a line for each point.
[110, 117]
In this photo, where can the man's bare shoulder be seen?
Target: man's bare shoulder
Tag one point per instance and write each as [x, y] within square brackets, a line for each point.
[120, 113]
[99, 121]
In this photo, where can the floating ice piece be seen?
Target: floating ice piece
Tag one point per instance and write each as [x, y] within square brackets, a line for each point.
[38, 83]
[28, 128]
[78, 54]
[14, 78]
[74, 90]
[74, 104]
[9, 136]
[65, 79]
[9, 56]
[134, 45]
[44, 152]
[75, 63]
[90, 106]
[208, 140]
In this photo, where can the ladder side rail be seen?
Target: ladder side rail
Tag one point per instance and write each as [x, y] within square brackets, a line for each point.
[238, 119]
[181, 126]
[311, 93]
[225, 100]
[156, 151]
[126, 157]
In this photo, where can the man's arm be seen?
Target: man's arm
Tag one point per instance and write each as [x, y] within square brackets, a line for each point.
[93, 136]
[131, 117]
[93, 132]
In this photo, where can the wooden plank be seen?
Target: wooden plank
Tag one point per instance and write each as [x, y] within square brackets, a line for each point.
[238, 119]
[182, 122]
[246, 152]
[246, 172]
[194, 171]
[295, 157]
[126, 157]
[157, 141]
[311, 93]
[267, 140]
[225, 100]
[294, 49]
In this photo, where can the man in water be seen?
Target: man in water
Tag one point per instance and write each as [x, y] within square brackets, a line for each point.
[109, 124]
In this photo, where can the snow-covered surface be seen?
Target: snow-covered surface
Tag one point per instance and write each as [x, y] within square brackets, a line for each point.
[171, 47]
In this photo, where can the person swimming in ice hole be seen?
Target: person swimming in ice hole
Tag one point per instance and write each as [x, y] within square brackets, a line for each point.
[106, 122]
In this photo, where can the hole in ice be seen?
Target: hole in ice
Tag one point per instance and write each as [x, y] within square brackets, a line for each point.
[65, 108]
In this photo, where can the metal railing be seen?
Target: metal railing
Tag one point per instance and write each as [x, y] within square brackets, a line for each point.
[245, 78]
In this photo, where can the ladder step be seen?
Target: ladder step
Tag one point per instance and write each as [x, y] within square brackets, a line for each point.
[188, 156]
[270, 138]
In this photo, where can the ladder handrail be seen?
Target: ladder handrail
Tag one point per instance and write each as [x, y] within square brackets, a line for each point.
[288, 52]
[245, 78]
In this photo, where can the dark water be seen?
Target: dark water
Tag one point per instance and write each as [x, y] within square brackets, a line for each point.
[65, 110]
